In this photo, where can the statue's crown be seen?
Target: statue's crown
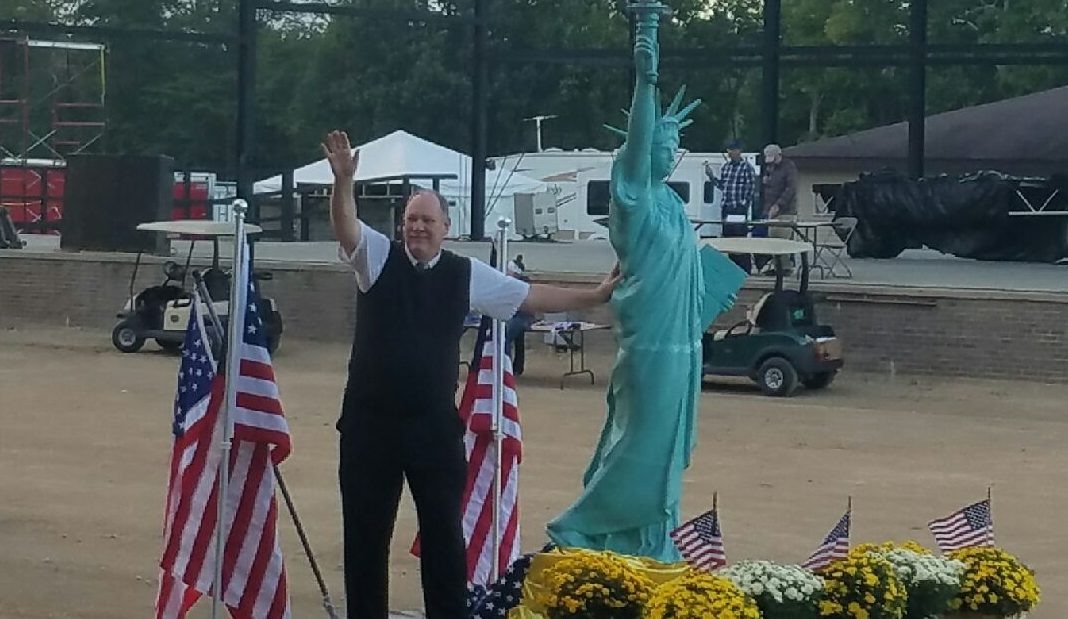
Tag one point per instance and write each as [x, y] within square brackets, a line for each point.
[674, 117]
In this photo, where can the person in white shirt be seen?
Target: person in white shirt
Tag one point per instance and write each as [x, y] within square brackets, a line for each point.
[398, 420]
[516, 268]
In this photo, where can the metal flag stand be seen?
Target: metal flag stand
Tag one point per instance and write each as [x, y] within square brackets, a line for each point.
[238, 291]
[498, 399]
[216, 336]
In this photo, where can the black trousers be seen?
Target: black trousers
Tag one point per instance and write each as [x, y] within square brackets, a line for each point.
[735, 230]
[378, 452]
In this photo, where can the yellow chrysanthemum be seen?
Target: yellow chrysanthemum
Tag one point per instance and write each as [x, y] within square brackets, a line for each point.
[699, 595]
[862, 586]
[995, 582]
[586, 582]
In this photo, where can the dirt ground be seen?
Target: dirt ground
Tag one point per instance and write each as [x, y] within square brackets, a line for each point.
[85, 443]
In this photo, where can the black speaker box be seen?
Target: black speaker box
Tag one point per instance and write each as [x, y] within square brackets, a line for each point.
[106, 196]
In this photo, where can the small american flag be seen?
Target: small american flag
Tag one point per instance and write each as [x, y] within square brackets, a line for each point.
[254, 578]
[970, 526]
[835, 546]
[476, 411]
[701, 542]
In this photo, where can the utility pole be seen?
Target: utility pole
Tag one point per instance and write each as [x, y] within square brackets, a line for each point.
[917, 87]
[478, 125]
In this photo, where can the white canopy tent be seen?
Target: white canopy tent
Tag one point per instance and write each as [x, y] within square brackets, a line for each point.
[403, 154]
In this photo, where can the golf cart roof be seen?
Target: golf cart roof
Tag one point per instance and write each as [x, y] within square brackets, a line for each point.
[766, 246]
[196, 227]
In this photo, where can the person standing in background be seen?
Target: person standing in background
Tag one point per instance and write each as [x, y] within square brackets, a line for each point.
[780, 191]
[737, 181]
[517, 326]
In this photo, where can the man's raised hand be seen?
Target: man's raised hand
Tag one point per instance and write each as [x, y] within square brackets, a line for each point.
[339, 153]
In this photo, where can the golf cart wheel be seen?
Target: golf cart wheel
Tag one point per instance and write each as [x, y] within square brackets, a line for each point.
[169, 345]
[777, 377]
[819, 381]
[126, 338]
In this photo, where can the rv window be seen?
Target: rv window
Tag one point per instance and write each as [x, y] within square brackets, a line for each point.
[597, 197]
[683, 189]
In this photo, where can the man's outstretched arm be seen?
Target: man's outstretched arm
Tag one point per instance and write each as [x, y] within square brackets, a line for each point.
[543, 298]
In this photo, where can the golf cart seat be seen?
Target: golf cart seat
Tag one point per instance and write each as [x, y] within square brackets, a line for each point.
[750, 322]
[151, 303]
[218, 284]
[785, 309]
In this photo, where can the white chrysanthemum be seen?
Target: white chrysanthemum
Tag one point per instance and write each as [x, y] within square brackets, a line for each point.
[913, 567]
[773, 582]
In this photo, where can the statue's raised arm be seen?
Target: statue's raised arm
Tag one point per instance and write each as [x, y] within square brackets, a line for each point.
[651, 139]
[642, 119]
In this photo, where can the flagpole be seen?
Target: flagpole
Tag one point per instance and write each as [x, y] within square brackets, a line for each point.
[498, 400]
[238, 288]
[990, 510]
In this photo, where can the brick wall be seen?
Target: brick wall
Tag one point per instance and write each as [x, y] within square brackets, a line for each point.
[942, 332]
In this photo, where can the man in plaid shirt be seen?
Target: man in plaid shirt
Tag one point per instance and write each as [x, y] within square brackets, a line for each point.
[737, 181]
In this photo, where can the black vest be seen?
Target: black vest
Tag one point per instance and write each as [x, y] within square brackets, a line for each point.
[406, 351]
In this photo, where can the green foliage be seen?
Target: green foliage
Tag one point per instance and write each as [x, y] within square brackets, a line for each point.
[369, 75]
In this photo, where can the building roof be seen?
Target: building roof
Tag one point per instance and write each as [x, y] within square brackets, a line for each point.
[1022, 135]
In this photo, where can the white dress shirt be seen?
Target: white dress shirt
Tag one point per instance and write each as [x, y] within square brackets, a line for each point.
[491, 292]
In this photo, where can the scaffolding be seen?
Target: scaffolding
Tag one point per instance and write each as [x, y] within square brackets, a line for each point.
[51, 107]
[52, 97]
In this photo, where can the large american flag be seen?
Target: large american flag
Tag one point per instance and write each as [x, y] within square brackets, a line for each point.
[834, 547]
[970, 526]
[701, 542]
[476, 411]
[254, 577]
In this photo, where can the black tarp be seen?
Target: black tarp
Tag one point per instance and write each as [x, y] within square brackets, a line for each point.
[966, 216]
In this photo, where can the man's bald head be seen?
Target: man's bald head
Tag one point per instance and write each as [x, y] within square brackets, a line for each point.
[441, 201]
[426, 222]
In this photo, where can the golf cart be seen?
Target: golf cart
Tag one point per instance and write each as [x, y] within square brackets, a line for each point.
[780, 344]
[161, 312]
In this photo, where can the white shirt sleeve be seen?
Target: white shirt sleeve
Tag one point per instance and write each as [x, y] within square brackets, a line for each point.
[369, 257]
[493, 293]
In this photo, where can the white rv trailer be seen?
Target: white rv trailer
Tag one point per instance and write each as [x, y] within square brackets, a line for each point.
[579, 180]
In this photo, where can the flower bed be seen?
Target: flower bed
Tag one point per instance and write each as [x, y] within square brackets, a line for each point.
[885, 581]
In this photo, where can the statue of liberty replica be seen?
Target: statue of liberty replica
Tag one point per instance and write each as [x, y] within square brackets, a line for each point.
[670, 292]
